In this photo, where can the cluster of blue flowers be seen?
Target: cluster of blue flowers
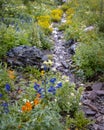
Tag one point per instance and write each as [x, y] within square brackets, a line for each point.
[52, 89]
[5, 107]
[4, 104]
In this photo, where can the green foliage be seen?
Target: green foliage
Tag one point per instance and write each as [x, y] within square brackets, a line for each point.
[32, 72]
[90, 57]
[39, 39]
[80, 121]
[101, 24]
[68, 98]
[10, 38]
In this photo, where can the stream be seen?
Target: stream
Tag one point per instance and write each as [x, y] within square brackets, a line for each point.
[61, 57]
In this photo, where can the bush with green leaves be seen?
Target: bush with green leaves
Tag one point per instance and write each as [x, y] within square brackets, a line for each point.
[89, 57]
[79, 122]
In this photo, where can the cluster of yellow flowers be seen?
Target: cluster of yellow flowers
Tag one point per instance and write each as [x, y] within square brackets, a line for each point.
[69, 14]
[45, 23]
[11, 74]
[56, 15]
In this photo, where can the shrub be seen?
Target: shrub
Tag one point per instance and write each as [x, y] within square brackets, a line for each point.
[89, 57]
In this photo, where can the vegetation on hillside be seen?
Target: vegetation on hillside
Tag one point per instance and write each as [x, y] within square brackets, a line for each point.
[45, 100]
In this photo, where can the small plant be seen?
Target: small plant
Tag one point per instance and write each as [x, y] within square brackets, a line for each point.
[79, 122]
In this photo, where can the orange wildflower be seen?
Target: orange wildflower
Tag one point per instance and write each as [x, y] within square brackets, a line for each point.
[24, 108]
[38, 95]
[27, 107]
[36, 102]
[11, 74]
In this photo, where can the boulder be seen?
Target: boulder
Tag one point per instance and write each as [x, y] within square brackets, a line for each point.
[23, 56]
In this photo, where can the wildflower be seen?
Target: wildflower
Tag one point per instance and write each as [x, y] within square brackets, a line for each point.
[59, 85]
[4, 104]
[36, 86]
[53, 80]
[36, 102]
[24, 108]
[42, 73]
[5, 107]
[28, 104]
[52, 90]
[1, 95]
[7, 87]
[25, 100]
[27, 107]
[11, 74]
[40, 90]
[72, 94]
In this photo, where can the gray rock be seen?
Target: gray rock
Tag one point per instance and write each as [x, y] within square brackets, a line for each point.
[100, 92]
[102, 111]
[89, 112]
[97, 86]
[92, 95]
[25, 55]
[65, 64]
[90, 28]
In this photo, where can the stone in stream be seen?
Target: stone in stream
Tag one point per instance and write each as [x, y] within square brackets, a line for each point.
[69, 43]
[25, 55]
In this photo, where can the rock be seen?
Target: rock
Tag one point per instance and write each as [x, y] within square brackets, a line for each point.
[85, 102]
[90, 28]
[94, 108]
[72, 49]
[97, 86]
[44, 58]
[69, 43]
[100, 127]
[95, 126]
[92, 95]
[89, 112]
[25, 55]
[65, 64]
[99, 119]
[100, 92]
[102, 111]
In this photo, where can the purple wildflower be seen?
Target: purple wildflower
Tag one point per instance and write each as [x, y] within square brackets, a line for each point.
[7, 87]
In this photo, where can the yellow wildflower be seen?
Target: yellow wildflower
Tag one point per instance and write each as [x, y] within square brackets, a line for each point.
[11, 74]
[42, 73]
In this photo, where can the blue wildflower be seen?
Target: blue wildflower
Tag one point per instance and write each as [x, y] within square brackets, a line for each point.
[53, 80]
[59, 85]
[1, 95]
[4, 104]
[7, 87]
[6, 110]
[52, 90]
[36, 86]
[40, 90]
